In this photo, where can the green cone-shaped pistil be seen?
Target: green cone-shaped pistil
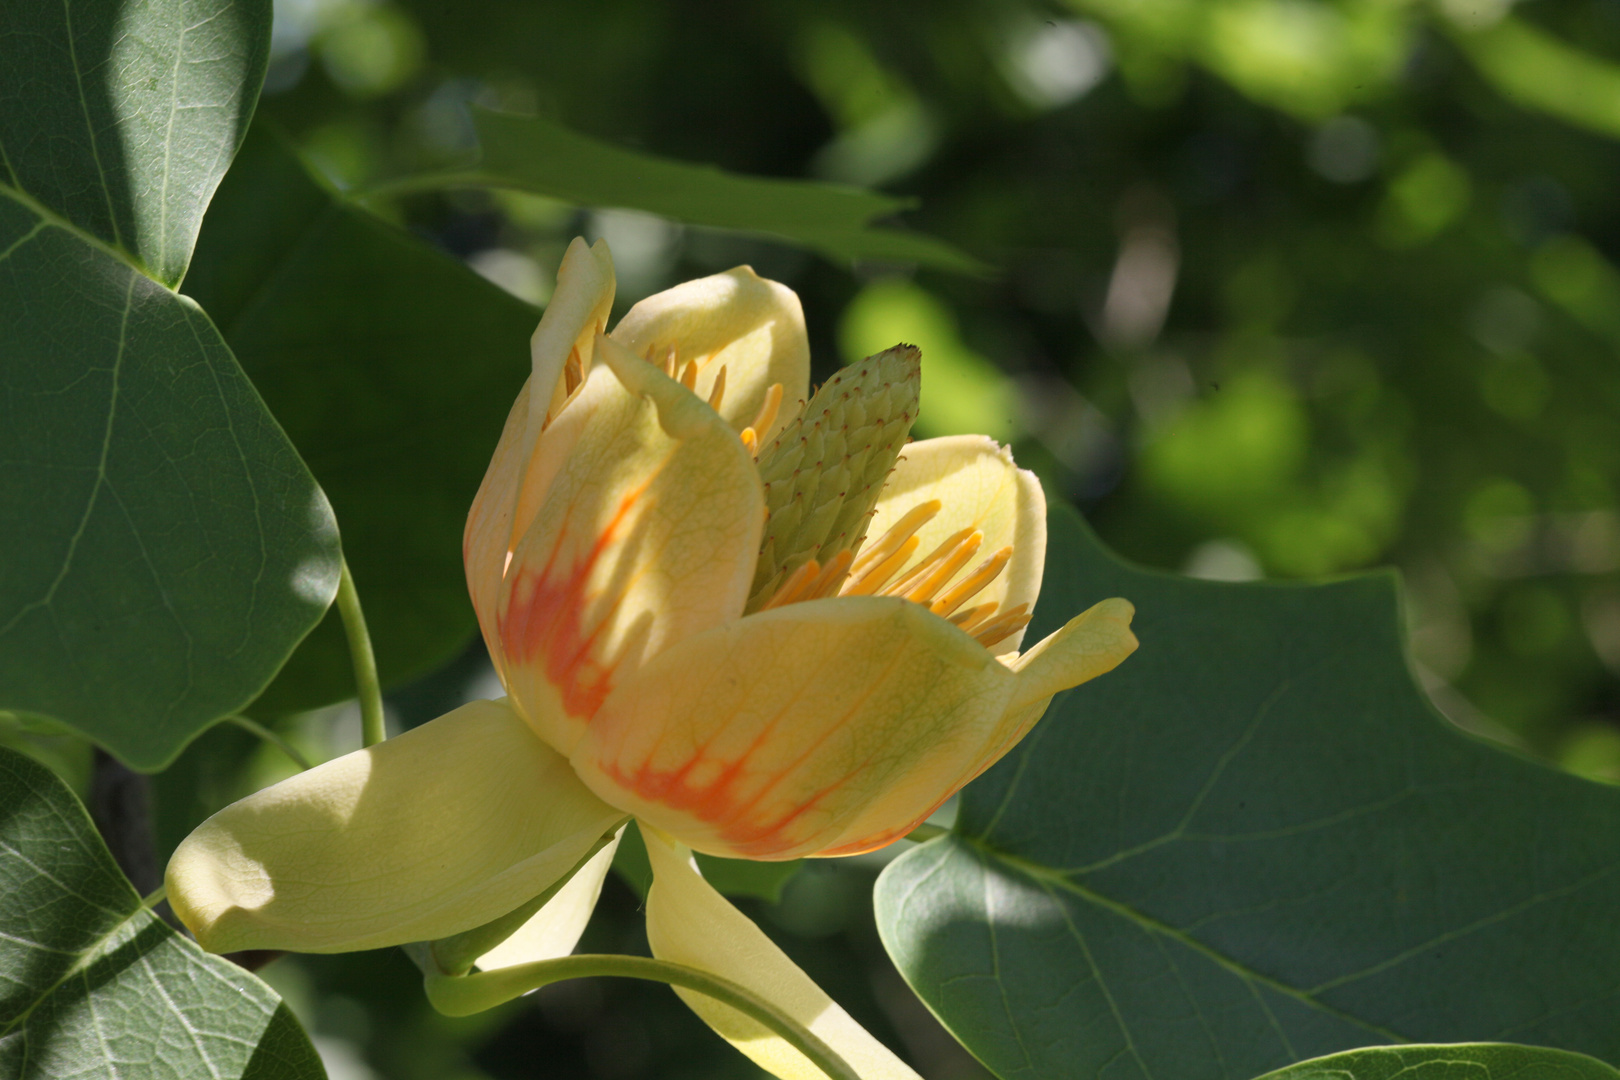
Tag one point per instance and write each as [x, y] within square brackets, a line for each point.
[823, 474]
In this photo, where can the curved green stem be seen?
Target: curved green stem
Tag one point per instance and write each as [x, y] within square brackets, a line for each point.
[467, 994]
[925, 831]
[273, 739]
[366, 686]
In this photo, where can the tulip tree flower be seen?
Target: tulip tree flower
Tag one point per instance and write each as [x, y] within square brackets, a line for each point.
[764, 627]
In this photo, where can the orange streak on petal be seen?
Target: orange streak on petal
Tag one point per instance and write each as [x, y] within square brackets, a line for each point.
[545, 620]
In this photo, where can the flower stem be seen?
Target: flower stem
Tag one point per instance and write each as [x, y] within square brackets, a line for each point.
[467, 994]
[925, 831]
[366, 686]
[273, 739]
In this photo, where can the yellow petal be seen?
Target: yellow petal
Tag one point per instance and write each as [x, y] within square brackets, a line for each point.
[578, 311]
[828, 727]
[979, 487]
[487, 539]
[1092, 643]
[689, 923]
[425, 835]
[647, 536]
[554, 930]
[521, 468]
[739, 321]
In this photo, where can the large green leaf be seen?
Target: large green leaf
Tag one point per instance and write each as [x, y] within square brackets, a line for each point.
[1253, 843]
[392, 366]
[121, 117]
[94, 984]
[165, 548]
[1464, 1061]
[539, 156]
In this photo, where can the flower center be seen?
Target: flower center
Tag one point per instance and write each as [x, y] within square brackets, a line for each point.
[822, 475]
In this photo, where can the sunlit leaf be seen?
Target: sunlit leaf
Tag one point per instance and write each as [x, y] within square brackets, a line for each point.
[391, 366]
[165, 548]
[121, 117]
[1255, 843]
[95, 984]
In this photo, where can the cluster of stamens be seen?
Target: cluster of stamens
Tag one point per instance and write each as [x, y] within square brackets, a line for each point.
[687, 374]
[882, 570]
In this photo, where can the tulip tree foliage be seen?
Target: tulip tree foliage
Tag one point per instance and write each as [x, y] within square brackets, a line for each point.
[165, 546]
[1254, 843]
[92, 983]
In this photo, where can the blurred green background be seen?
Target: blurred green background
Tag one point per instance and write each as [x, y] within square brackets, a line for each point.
[1278, 288]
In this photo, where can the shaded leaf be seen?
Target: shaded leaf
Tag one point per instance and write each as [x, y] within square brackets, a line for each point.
[1466, 1061]
[165, 548]
[542, 157]
[93, 984]
[392, 367]
[1254, 843]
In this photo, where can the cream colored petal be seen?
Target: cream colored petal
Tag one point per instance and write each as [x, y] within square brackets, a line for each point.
[1092, 643]
[648, 535]
[554, 930]
[981, 488]
[822, 728]
[429, 834]
[689, 923]
[752, 327]
[578, 311]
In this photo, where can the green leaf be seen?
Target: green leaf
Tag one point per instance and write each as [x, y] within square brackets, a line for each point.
[165, 548]
[1538, 71]
[1253, 843]
[392, 367]
[95, 984]
[1458, 1061]
[539, 156]
[733, 877]
[121, 117]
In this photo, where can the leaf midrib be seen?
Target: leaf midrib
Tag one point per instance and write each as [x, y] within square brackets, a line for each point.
[1051, 879]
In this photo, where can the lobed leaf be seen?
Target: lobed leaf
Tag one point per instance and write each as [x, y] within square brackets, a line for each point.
[1253, 843]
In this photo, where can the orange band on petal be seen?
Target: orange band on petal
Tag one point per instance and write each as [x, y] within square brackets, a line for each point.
[545, 620]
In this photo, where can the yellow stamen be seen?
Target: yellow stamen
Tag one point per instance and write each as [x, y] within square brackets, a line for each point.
[970, 586]
[935, 557]
[796, 584]
[689, 375]
[767, 412]
[1003, 626]
[718, 394]
[873, 579]
[923, 589]
[897, 534]
[977, 615]
[831, 576]
[750, 441]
